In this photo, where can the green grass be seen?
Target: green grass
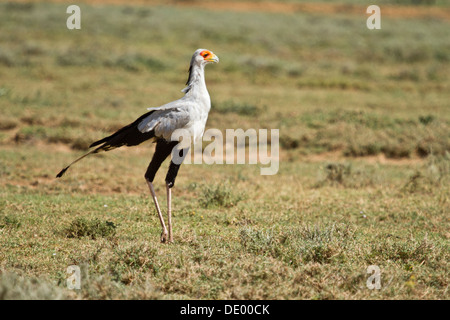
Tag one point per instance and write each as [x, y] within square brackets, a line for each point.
[90, 228]
[364, 160]
[220, 195]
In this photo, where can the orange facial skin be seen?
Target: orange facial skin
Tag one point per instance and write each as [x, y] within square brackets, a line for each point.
[206, 54]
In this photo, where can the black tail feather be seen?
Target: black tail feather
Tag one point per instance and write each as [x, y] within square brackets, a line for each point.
[61, 173]
[125, 131]
[126, 136]
[96, 143]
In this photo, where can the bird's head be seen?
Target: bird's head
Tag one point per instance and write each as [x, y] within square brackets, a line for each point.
[203, 56]
[200, 58]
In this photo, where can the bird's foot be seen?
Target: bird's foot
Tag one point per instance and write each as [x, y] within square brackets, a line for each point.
[164, 237]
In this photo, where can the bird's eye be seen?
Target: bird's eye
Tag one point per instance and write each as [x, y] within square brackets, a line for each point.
[205, 55]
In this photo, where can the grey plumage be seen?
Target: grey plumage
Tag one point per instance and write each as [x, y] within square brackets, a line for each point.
[188, 113]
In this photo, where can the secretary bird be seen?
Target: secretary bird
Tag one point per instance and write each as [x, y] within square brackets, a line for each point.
[188, 113]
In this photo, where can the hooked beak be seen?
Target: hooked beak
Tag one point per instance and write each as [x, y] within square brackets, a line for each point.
[213, 58]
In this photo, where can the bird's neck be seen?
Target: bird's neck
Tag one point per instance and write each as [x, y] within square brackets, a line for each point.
[196, 82]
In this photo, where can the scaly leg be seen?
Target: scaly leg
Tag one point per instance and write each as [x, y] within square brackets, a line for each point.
[169, 211]
[163, 225]
[170, 182]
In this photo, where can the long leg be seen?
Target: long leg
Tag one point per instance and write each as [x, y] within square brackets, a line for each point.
[158, 209]
[169, 211]
[162, 151]
[170, 182]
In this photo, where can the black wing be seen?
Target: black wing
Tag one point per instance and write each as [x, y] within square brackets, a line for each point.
[126, 136]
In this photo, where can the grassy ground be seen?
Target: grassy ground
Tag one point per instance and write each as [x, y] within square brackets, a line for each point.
[364, 166]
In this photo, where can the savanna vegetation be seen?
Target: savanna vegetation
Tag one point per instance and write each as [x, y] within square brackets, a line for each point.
[364, 152]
